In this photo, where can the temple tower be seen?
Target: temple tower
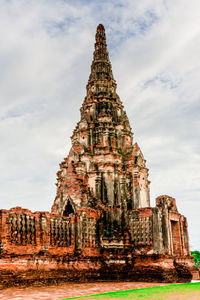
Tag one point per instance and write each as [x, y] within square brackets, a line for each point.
[104, 168]
[101, 226]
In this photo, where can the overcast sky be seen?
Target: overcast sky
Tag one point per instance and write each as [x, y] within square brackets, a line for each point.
[45, 57]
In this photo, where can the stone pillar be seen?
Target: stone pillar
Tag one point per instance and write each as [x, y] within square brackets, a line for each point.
[187, 244]
[44, 232]
[37, 230]
[157, 232]
[165, 229]
[148, 193]
[73, 230]
[3, 230]
[136, 196]
[123, 192]
[184, 236]
[78, 232]
[98, 187]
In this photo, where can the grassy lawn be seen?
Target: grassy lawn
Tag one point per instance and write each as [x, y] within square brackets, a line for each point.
[174, 291]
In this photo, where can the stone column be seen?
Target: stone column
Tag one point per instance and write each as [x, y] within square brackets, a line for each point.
[3, 230]
[157, 231]
[165, 229]
[44, 232]
[98, 187]
[78, 232]
[123, 192]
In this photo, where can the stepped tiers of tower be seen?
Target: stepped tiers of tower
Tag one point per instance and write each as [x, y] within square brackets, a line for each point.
[101, 226]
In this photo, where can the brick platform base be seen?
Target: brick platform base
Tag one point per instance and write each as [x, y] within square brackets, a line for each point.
[48, 269]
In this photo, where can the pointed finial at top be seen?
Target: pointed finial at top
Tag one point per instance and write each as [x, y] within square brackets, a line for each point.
[100, 36]
[100, 27]
[101, 69]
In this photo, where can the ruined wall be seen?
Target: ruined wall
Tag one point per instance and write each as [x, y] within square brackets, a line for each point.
[174, 227]
[160, 230]
[24, 232]
[141, 228]
[44, 247]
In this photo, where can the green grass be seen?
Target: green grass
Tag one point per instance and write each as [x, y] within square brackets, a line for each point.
[177, 291]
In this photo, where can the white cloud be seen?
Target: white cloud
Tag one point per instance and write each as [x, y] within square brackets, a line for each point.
[45, 56]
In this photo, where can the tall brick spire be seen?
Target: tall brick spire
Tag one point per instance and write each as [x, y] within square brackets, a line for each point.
[103, 167]
[101, 69]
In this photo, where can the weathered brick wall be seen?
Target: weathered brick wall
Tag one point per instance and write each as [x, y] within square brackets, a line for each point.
[44, 247]
[150, 230]
[174, 227]
[141, 224]
[24, 232]
[179, 234]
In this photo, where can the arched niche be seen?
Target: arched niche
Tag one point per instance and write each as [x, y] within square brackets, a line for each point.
[68, 209]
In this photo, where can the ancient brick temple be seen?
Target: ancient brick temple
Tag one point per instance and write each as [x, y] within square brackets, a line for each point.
[101, 225]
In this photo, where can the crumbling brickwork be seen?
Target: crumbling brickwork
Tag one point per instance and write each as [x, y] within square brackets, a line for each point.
[101, 225]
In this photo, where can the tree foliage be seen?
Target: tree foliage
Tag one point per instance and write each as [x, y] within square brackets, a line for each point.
[196, 255]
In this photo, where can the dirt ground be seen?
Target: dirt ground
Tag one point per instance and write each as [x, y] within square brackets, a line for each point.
[67, 290]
